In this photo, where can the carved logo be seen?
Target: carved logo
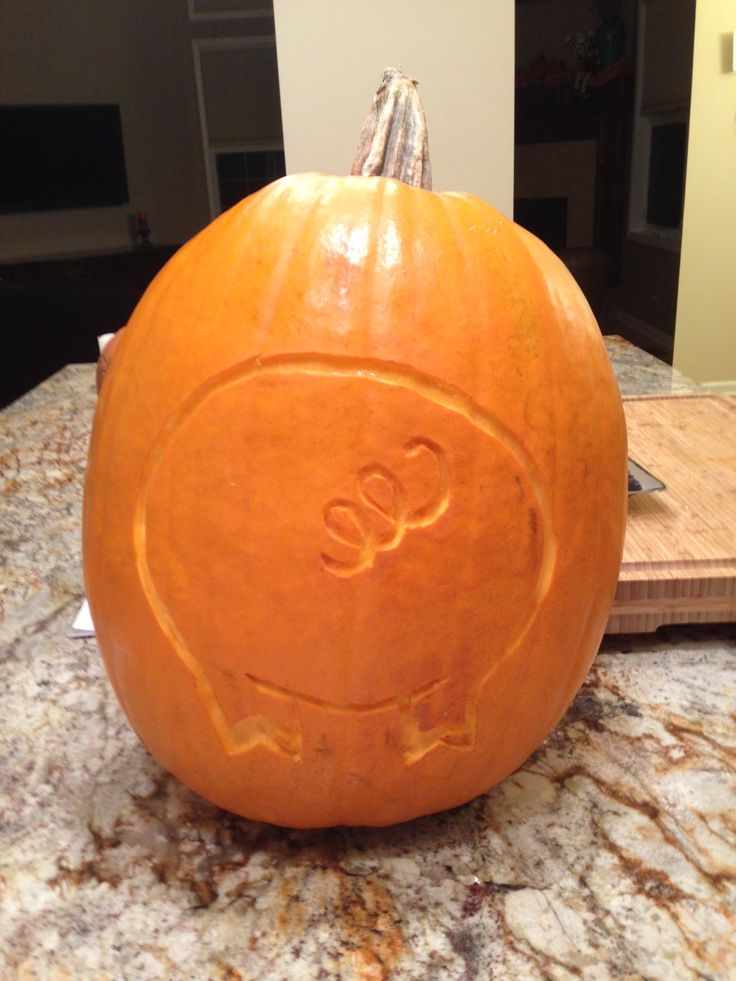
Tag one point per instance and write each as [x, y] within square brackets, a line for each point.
[350, 524]
[255, 700]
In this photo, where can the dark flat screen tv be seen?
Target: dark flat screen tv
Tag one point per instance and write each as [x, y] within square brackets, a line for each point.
[61, 156]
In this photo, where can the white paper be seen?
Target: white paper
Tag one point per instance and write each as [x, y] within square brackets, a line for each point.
[103, 340]
[83, 626]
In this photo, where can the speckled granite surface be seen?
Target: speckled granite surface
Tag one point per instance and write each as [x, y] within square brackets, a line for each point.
[610, 854]
[639, 373]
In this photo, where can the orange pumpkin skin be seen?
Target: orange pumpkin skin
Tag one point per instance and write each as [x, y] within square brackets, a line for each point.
[355, 503]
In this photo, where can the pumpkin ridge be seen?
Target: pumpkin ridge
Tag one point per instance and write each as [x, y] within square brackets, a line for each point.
[273, 294]
[369, 267]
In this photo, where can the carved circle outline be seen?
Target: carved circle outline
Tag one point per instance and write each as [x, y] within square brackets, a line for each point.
[389, 373]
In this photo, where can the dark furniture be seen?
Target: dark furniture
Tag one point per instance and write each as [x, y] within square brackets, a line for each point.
[51, 311]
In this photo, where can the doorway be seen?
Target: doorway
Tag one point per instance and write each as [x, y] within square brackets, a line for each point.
[602, 96]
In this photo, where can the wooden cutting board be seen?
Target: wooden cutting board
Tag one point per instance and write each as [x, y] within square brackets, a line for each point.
[679, 563]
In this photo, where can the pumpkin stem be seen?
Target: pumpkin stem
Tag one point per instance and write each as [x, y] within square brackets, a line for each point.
[393, 142]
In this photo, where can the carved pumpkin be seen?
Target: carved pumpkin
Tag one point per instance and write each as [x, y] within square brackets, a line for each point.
[356, 496]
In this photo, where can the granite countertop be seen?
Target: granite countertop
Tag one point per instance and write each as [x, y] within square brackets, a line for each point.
[610, 854]
[639, 373]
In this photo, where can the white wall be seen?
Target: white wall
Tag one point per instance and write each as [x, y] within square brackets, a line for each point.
[332, 54]
[705, 336]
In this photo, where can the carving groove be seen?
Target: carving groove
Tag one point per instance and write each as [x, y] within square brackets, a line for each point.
[400, 517]
[286, 740]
